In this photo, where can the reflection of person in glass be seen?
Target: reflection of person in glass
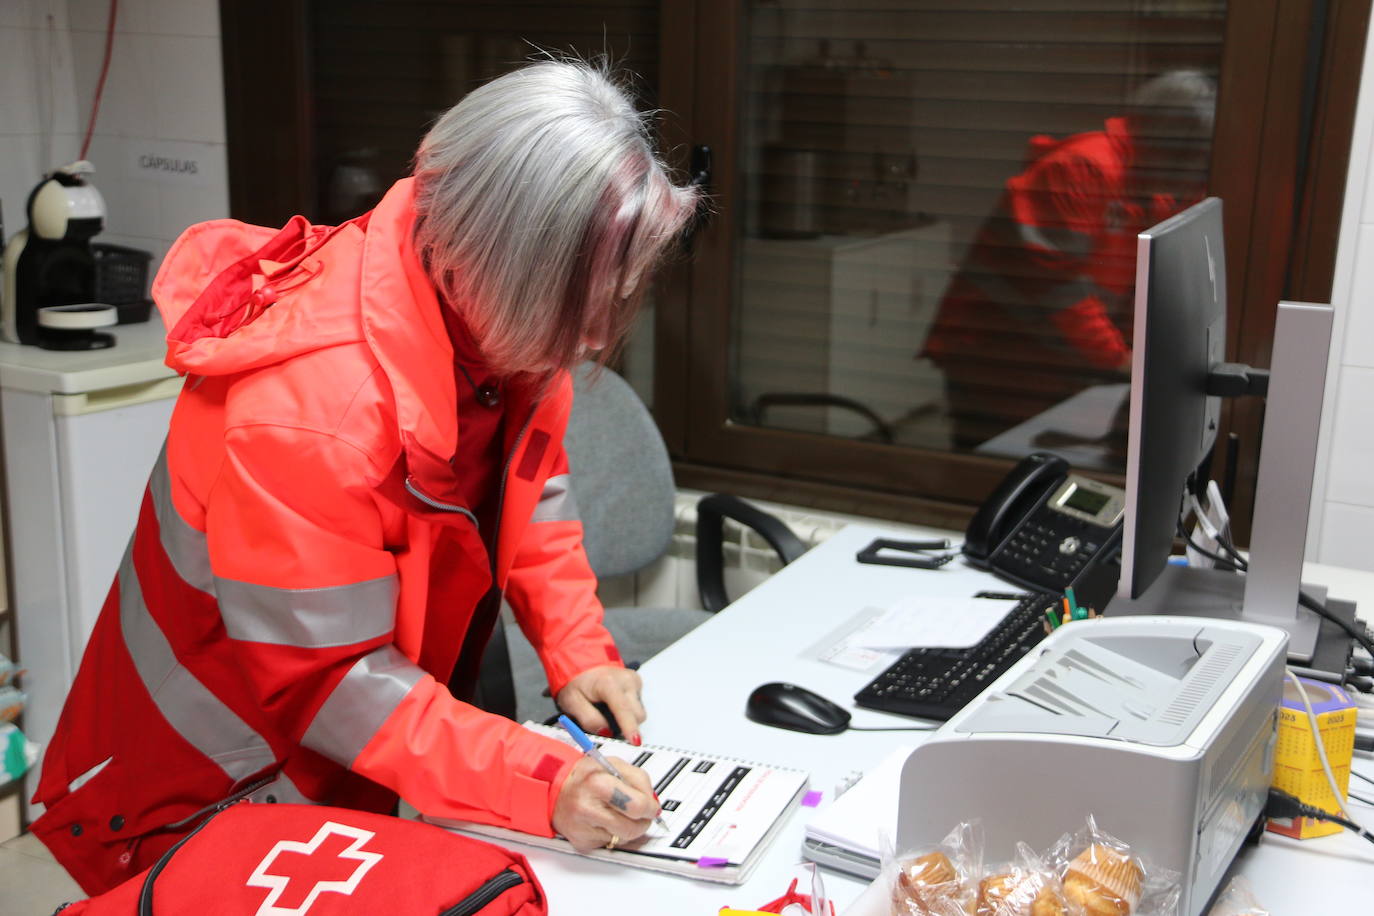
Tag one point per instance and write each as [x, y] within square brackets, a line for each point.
[1041, 306]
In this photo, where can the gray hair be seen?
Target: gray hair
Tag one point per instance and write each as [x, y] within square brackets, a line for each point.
[1190, 93]
[541, 212]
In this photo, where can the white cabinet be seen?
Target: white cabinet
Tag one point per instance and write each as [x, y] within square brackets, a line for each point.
[81, 432]
[844, 316]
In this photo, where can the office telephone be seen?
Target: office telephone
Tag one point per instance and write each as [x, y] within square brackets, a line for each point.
[1044, 526]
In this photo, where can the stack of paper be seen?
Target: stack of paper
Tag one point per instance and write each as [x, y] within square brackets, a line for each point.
[850, 834]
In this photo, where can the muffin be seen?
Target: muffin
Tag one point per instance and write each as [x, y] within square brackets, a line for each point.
[1103, 882]
[1017, 893]
[931, 868]
[1048, 902]
[927, 885]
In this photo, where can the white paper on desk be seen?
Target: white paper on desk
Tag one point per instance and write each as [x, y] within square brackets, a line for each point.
[925, 621]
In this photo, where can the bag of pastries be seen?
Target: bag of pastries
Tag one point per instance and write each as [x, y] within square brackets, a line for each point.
[937, 881]
[1101, 876]
[1026, 886]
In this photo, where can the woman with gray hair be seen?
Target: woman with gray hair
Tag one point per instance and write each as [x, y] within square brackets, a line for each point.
[365, 459]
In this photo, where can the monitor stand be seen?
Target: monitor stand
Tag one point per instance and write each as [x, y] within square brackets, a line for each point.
[1191, 591]
[1268, 592]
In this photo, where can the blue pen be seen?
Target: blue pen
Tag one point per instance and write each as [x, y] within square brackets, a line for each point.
[592, 751]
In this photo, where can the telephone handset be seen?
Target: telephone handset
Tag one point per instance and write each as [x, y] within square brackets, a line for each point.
[1045, 525]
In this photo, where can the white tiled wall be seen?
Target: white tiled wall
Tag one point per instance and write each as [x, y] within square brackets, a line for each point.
[1342, 520]
[159, 146]
[38, 119]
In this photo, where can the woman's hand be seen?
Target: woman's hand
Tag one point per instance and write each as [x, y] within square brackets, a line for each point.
[613, 685]
[596, 809]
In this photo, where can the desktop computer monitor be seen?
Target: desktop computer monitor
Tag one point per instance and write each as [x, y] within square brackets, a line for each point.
[1179, 335]
[1178, 348]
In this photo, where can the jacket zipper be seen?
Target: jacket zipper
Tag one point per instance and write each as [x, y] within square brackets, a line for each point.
[493, 888]
[433, 503]
[414, 490]
[501, 490]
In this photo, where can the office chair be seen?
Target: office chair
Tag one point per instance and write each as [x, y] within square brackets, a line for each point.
[881, 431]
[622, 481]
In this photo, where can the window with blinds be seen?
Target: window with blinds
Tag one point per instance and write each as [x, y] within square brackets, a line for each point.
[383, 70]
[935, 242]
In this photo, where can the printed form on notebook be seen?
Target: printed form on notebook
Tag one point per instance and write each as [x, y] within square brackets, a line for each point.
[721, 813]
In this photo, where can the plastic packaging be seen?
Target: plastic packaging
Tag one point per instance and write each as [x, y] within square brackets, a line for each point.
[1024, 887]
[17, 754]
[9, 671]
[1101, 876]
[1085, 873]
[1238, 900]
[937, 881]
[11, 703]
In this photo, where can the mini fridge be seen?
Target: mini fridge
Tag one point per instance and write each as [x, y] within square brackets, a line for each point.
[81, 432]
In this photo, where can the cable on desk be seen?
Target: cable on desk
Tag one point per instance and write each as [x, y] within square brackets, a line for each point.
[1356, 633]
[1367, 779]
[1311, 811]
[1237, 563]
[1281, 804]
[1369, 802]
[1362, 684]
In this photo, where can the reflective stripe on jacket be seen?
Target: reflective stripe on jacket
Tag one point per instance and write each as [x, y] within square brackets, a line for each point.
[303, 573]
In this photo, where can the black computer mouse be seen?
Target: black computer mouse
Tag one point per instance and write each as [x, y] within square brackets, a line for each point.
[790, 706]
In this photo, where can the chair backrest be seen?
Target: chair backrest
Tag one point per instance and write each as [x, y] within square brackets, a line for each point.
[621, 476]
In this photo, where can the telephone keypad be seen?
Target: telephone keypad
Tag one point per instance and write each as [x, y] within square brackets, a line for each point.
[1050, 548]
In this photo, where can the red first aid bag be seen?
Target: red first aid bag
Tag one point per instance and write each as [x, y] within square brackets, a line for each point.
[308, 860]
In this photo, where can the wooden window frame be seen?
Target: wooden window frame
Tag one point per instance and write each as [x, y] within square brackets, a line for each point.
[1286, 65]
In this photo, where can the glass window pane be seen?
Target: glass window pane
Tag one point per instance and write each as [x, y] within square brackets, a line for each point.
[383, 70]
[937, 238]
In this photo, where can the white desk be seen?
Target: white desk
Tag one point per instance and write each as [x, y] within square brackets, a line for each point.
[1076, 429]
[696, 691]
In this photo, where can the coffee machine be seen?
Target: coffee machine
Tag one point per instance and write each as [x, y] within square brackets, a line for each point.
[50, 270]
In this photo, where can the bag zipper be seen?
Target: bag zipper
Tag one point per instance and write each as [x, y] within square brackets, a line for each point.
[145, 894]
[489, 891]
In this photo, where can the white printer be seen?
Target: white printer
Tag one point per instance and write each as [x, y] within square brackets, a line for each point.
[1162, 728]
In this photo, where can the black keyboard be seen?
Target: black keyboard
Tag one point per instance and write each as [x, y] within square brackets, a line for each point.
[937, 683]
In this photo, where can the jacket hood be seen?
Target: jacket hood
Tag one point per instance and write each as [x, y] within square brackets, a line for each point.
[239, 297]
[1115, 133]
[231, 295]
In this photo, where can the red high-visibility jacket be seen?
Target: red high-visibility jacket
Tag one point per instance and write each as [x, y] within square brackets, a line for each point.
[303, 572]
[1049, 278]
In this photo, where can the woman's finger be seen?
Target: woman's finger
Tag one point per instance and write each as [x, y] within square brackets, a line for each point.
[580, 708]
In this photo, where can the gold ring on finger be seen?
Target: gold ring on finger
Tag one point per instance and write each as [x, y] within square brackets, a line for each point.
[615, 841]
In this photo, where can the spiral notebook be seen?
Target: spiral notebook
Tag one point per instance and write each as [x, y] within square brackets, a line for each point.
[721, 813]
